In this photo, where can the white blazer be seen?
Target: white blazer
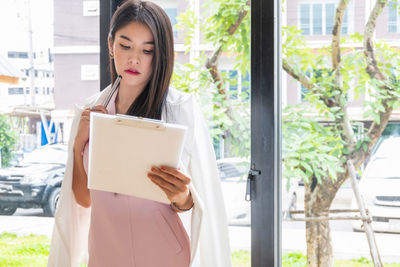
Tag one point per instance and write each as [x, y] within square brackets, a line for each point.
[208, 227]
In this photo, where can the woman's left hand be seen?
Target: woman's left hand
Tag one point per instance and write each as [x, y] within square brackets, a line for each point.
[174, 183]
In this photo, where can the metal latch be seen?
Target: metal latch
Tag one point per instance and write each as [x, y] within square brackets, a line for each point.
[250, 179]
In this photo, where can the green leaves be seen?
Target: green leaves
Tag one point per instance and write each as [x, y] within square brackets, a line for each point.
[233, 127]
[309, 147]
[8, 139]
[228, 115]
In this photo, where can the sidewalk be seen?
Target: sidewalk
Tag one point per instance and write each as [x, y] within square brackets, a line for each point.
[346, 245]
[25, 225]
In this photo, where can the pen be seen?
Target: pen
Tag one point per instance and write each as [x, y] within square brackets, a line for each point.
[113, 89]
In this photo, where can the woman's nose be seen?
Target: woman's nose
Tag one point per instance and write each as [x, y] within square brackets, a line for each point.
[134, 58]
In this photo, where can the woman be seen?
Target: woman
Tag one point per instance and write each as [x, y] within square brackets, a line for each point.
[107, 229]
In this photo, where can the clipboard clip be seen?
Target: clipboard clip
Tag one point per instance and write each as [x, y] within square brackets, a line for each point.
[129, 120]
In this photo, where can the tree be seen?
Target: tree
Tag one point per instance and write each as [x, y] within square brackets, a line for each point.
[319, 151]
[315, 148]
[226, 26]
[8, 140]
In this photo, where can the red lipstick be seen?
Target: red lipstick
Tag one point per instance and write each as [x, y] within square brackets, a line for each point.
[132, 72]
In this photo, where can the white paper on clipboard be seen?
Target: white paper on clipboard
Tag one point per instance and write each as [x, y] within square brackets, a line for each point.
[123, 149]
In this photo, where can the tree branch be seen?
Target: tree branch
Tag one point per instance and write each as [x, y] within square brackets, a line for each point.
[212, 61]
[372, 65]
[336, 34]
[373, 71]
[305, 81]
[344, 120]
[299, 76]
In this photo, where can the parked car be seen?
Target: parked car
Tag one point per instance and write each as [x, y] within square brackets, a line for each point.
[35, 181]
[380, 187]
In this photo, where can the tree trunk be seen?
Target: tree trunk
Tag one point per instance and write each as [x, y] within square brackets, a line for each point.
[317, 202]
[319, 247]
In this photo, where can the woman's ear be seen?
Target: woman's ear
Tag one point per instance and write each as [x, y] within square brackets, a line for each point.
[110, 45]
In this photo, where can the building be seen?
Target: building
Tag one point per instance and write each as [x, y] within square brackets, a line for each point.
[315, 18]
[27, 31]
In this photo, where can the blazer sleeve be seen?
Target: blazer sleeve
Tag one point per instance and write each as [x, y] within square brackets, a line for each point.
[69, 242]
[209, 227]
[71, 222]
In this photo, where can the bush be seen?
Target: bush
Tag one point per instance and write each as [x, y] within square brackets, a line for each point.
[8, 139]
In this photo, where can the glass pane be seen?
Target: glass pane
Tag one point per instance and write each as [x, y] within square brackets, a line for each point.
[329, 19]
[310, 139]
[304, 92]
[392, 20]
[223, 95]
[345, 25]
[172, 14]
[317, 19]
[305, 18]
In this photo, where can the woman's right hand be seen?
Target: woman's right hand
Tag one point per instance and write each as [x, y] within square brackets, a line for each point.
[82, 135]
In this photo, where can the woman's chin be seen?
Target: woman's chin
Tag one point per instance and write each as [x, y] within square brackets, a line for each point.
[131, 81]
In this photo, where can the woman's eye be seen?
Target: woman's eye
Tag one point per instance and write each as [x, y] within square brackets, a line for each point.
[124, 46]
[148, 51]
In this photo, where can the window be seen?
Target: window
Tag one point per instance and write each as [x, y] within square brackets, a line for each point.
[16, 91]
[305, 18]
[246, 85]
[236, 83]
[233, 77]
[172, 14]
[329, 18]
[231, 81]
[393, 17]
[15, 54]
[303, 92]
[318, 19]
[345, 23]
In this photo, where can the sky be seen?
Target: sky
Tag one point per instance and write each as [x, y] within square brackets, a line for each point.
[14, 25]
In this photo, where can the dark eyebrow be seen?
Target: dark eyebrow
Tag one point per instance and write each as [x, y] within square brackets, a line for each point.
[127, 38]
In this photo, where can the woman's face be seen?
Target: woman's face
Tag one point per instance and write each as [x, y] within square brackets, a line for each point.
[133, 50]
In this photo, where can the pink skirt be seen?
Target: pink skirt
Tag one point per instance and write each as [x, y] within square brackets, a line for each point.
[130, 231]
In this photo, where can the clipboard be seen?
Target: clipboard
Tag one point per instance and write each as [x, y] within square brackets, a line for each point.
[123, 149]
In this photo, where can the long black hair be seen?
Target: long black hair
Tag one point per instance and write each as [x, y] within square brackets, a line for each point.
[150, 102]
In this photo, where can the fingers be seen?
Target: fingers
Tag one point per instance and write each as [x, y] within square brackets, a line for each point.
[172, 182]
[99, 108]
[165, 185]
[167, 177]
[176, 173]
